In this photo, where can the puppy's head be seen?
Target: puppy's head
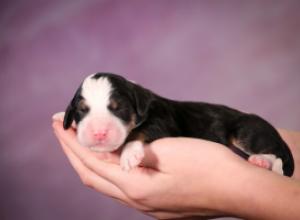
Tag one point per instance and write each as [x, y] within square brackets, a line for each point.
[105, 108]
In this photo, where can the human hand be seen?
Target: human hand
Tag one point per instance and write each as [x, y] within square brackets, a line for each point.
[162, 187]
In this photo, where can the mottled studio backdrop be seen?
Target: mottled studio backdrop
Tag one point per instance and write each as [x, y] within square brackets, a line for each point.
[245, 54]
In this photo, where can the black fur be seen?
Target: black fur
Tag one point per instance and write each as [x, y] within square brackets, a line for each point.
[132, 98]
[158, 117]
[74, 111]
[167, 118]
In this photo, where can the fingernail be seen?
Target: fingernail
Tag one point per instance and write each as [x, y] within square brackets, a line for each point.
[58, 116]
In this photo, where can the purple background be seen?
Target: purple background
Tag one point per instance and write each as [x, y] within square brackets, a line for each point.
[245, 54]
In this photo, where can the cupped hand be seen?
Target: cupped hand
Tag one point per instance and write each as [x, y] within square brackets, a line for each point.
[179, 177]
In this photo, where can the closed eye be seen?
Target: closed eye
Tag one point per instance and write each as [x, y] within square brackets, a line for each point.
[113, 105]
[118, 108]
[82, 107]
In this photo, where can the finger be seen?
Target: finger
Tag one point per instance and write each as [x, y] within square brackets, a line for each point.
[94, 181]
[91, 179]
[111, 157]
[109, 171]
[59, 116]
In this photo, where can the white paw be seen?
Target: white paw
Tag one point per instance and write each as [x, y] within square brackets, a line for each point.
[278, 166]
[132, 155]
[276, 162]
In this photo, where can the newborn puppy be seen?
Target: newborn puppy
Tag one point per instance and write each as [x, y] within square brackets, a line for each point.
[111, 112]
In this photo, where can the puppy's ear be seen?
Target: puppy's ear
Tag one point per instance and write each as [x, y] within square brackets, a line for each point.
[71, 110]
[142, 99]
[69, 116]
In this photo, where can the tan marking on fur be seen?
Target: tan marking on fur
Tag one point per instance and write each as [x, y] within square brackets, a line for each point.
[113, 104]
[82, 105]
[132, 123]
[238, 145]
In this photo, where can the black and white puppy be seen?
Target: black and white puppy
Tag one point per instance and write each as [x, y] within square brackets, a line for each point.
[110, 111]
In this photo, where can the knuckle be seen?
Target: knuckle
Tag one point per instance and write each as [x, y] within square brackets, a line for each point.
[84, 161]
[137, 195]
[85, 180]
[134, 194]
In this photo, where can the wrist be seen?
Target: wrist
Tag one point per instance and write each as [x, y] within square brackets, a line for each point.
[261, 194]
[230, 195]
[225, 186]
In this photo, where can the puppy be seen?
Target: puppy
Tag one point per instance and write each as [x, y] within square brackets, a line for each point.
[109, 111]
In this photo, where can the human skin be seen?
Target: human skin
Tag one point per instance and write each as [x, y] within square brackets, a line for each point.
[188, 178]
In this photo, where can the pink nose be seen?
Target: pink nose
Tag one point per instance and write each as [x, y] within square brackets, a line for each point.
[100, 135]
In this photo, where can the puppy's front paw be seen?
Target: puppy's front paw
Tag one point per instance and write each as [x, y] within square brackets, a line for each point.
[132, 155]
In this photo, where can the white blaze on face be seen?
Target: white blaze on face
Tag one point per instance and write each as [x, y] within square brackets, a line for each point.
[99, 119]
